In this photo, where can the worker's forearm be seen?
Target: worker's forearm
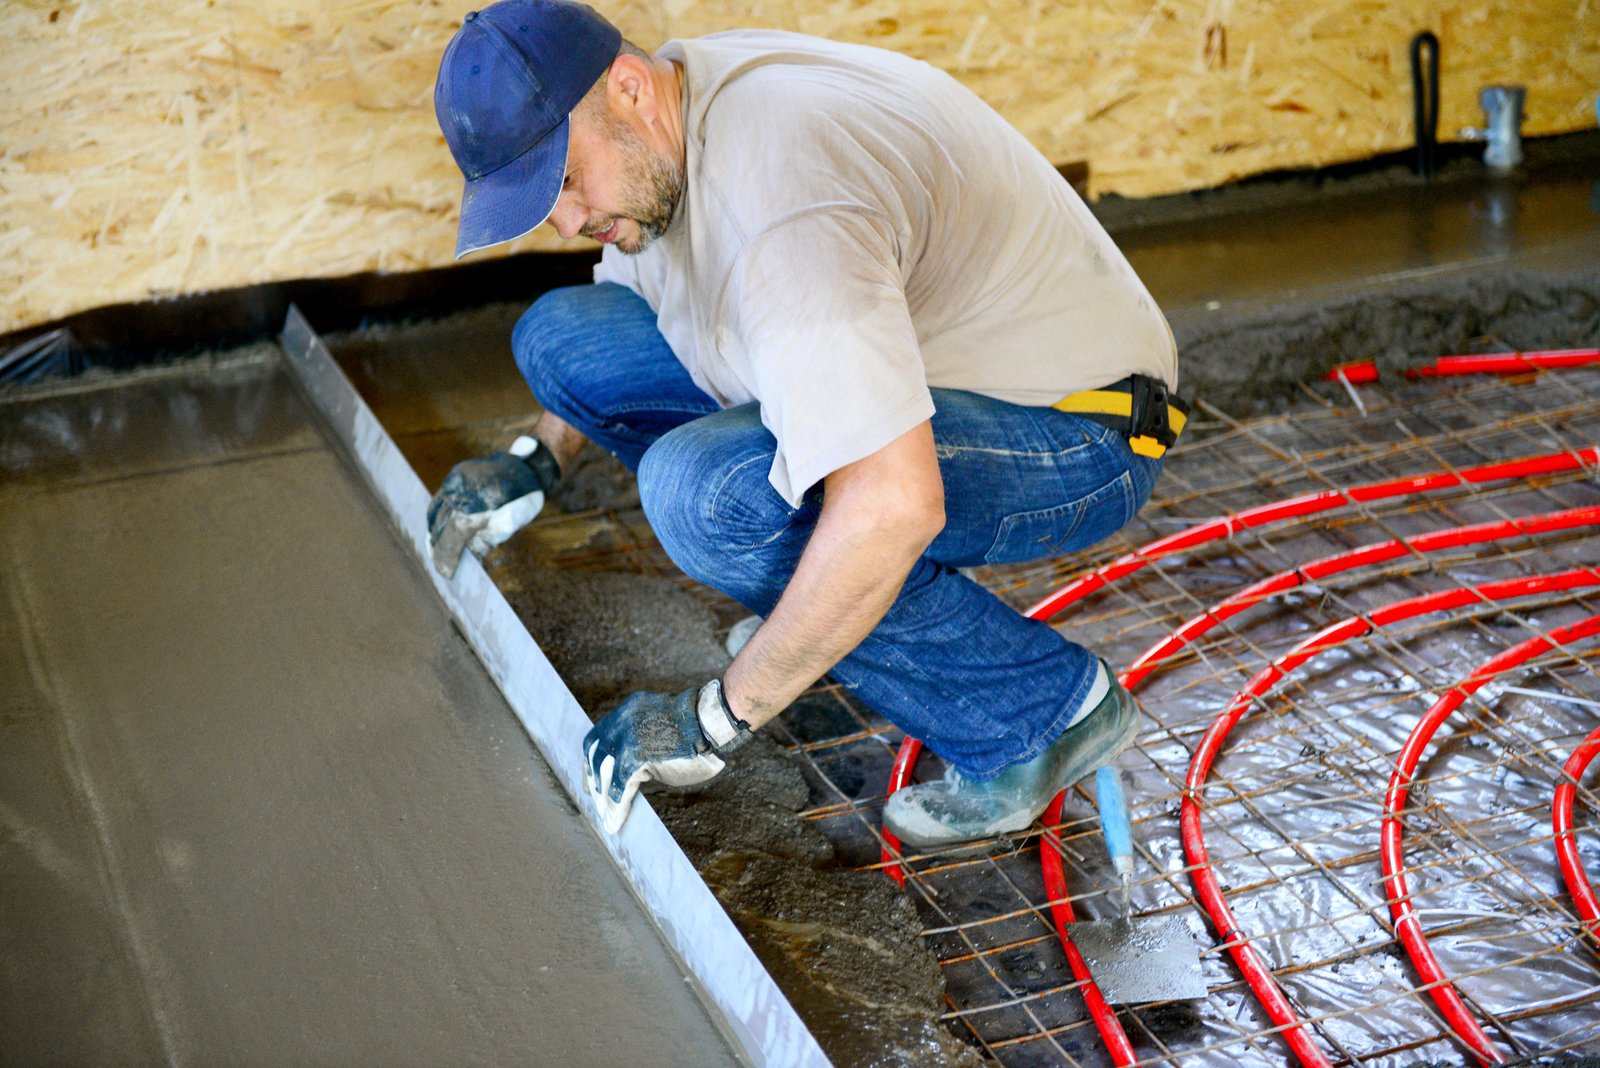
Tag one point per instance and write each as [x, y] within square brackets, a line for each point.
[878, 516]
[846, 580]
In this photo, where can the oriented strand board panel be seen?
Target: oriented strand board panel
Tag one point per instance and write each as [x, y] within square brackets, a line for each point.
[155, 148]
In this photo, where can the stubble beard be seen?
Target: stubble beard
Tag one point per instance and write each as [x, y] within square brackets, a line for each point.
[657, 186]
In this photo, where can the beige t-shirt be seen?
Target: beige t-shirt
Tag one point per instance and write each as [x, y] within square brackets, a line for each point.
[856, 227]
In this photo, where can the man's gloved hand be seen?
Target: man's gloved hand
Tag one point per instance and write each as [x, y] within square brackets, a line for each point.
[483, 502]
[678, 740]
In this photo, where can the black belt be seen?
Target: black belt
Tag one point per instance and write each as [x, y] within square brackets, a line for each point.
[1139, 407]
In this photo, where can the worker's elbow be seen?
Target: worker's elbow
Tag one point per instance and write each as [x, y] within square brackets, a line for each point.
[929, 522]
[915, 519]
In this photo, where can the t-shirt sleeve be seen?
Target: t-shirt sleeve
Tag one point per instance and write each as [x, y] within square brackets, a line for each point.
[820, 310]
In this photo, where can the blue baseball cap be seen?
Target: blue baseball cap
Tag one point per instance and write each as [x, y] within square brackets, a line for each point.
[507, 85]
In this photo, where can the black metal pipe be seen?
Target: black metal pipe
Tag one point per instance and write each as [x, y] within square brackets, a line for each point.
[1425, 102]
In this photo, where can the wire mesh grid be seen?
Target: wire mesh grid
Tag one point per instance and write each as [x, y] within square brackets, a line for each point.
[1293, 806]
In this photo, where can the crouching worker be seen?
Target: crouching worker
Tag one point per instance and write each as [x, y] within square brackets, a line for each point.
[852, 332]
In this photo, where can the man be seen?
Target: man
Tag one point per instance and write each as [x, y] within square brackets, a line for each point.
[842, 327]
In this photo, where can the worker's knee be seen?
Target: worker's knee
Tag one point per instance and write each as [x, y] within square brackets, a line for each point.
[547, 344]
[704, 489]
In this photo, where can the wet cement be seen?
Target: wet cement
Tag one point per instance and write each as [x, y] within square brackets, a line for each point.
[1251, 358]
[844, 946]
[258, 802]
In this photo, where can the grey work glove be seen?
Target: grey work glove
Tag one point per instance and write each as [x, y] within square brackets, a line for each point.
[483, 502]
[678, 739]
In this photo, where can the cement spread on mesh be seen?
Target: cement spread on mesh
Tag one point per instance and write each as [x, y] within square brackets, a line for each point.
[844, 945]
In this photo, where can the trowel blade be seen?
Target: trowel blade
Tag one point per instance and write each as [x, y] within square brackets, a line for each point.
[1145, 959]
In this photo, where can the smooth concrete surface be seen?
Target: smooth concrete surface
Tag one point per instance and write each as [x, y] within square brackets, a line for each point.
[1323, 247]
[258, 802]
[744, 999]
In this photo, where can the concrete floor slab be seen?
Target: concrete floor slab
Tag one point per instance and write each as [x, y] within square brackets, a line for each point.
[258, 802]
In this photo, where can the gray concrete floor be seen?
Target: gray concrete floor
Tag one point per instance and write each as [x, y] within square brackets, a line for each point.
[258, 801]
[1332, 244]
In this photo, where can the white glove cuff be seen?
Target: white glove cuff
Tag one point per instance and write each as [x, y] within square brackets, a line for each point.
[719, 727]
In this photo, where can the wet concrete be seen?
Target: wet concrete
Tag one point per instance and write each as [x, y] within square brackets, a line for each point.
[1406, 232]
[1271, 282]
[258, 802]
[843, 945]
[1253, 357]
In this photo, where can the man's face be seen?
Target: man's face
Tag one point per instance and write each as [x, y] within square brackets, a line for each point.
[618, 189]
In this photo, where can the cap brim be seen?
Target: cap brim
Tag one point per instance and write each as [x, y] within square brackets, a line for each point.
[513, 200]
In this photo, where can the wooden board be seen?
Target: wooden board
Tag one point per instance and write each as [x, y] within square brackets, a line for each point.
[152, 149]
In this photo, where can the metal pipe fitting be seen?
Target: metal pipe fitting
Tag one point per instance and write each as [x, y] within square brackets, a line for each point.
[1502, 109]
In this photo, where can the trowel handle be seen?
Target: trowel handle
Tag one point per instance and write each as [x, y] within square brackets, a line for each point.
[1114, 823]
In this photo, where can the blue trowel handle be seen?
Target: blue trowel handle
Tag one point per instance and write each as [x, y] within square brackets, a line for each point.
[1114, 823]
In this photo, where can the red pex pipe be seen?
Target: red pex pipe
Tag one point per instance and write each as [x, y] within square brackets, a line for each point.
[1050, 859]
[1356, 373]
[1566, 844]
[1505, 363]
[1104, 1016]
[899, 775]
[1207, 887]
[1055, 885]
[1406, 924]
[1366, 555]
[1309, 504]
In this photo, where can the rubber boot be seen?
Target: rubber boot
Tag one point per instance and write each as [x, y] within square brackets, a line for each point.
[955, 809]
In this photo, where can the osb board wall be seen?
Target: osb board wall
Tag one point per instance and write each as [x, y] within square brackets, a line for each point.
[154, 148]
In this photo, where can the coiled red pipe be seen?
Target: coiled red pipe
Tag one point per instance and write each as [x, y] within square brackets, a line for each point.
[1406, 924]
[1207, 887]
[1364, 556]
[1566, 843]
[1309, 504]
[1213, 530]
[1105, 1019]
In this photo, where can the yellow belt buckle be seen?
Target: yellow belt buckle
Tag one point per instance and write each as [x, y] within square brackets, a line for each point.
[1145, 445]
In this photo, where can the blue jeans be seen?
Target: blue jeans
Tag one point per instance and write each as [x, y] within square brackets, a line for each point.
[978, 683]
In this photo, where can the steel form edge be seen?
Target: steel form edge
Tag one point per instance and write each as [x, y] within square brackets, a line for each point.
[755, 1015]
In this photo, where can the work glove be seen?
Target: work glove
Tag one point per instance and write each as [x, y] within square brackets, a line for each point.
[483, 502]
[678, 740]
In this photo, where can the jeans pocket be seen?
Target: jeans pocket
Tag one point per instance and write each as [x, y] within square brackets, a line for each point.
[1064, 528]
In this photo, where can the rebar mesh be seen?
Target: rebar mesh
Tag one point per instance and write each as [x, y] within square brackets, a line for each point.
[1293, 806]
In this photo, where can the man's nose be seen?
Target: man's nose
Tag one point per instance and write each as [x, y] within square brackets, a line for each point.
[568, 217]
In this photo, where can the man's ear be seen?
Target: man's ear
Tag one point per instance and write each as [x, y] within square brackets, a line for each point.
[630, 89]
